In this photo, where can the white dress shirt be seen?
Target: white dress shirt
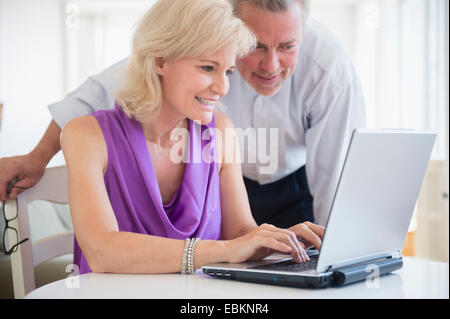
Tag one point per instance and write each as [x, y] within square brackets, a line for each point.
[309, 121]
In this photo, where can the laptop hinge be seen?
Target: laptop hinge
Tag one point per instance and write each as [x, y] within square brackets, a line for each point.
[396, 254]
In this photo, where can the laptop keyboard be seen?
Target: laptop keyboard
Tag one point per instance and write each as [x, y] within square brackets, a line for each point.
[291, 265]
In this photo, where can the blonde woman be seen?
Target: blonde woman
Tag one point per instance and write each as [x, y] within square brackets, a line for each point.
[134, 208]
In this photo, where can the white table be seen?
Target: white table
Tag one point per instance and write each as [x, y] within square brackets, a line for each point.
[417, 279]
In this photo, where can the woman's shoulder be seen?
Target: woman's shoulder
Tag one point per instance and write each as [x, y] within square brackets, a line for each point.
[82, 128]
[81, 136]
[86, 124]
[223, 121]
[229, 147]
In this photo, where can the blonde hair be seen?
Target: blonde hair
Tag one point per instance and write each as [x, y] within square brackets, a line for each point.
[174, 29]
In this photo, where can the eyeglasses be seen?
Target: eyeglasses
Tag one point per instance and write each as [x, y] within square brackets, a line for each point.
[10, 234]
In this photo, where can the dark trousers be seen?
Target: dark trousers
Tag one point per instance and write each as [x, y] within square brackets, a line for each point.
[283, 203]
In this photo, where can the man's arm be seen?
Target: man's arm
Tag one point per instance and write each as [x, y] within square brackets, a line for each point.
[94, 94]
[49, 145]
[29, 168]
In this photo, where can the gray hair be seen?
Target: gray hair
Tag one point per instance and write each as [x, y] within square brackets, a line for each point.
[274, 5]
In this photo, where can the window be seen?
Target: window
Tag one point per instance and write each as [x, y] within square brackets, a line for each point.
[400, 50]
[98, 33]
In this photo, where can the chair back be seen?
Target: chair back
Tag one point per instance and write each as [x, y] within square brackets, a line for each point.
[52, 187]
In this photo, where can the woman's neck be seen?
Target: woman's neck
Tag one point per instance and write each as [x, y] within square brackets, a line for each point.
[157, 131]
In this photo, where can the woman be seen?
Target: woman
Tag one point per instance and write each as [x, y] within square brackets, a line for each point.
[133, 206]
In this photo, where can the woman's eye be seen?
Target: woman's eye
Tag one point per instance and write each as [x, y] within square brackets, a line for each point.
[207, 68]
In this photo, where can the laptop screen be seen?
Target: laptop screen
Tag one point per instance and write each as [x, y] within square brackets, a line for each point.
[376, 195]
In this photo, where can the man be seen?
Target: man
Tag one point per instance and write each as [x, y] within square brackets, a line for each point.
[297, 81]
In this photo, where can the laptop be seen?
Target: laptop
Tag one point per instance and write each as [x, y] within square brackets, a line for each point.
[368, 220]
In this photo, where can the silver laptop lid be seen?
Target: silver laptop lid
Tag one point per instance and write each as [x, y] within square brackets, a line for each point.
[376, 196]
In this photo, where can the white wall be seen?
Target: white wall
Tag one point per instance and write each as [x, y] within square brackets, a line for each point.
[338, 17]
[31, 70]
[42, 58]
[100, 36]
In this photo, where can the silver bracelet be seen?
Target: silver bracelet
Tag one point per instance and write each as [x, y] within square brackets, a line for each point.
[190, 256]
[185, 251]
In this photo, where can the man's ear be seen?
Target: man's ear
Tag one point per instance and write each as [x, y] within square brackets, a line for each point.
[159, 64]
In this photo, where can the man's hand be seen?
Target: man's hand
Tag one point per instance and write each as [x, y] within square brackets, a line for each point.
[24, 171]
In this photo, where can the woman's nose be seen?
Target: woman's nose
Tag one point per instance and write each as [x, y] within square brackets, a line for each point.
[220, 86]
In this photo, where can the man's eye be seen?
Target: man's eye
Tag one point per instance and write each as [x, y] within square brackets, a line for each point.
[207, 68]
[288, 47]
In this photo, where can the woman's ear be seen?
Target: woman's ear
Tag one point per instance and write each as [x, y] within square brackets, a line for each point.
[160, 63]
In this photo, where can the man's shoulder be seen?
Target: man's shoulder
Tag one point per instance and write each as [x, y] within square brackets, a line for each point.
[322, 51]
[111, 77]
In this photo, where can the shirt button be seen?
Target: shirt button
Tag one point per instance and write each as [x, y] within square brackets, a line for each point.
[258, 101]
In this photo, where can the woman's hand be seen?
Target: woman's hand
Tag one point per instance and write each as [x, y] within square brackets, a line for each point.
[267, 239]
[309, 234]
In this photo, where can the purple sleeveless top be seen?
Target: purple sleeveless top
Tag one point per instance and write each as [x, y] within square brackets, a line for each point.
[193, 211]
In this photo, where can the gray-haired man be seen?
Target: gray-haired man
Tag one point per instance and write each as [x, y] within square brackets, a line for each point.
[297, 81]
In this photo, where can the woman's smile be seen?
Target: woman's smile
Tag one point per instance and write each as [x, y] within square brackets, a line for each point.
[207, 103]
